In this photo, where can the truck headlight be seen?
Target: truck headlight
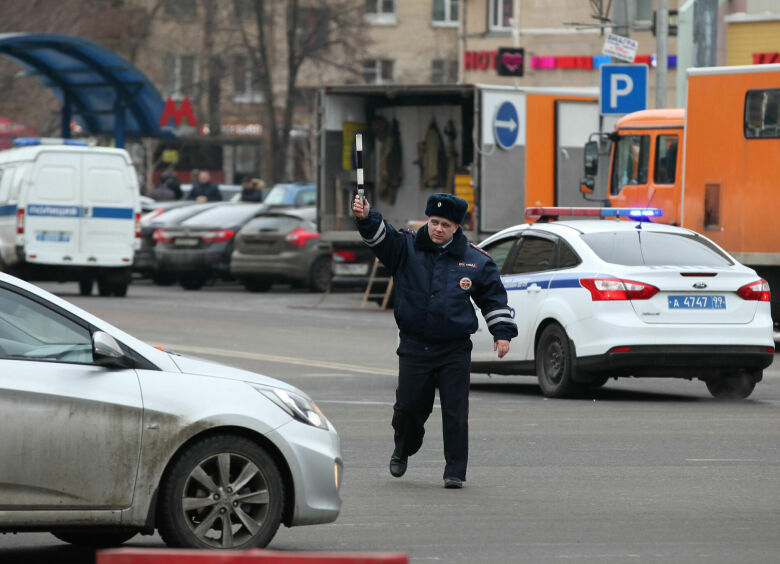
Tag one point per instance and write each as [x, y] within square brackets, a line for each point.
[297, 406]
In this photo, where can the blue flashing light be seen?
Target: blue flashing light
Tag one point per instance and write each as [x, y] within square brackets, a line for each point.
[640, 213]
[34, 141]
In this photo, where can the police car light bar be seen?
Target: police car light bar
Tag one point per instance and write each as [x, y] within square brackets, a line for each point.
[33, 141]
[546, 213]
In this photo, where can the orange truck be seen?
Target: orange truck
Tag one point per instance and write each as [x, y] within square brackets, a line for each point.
[713, 167]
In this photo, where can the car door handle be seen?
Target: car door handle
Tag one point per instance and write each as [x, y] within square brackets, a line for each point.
[534, 288]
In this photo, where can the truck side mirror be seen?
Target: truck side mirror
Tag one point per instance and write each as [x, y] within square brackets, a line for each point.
[587, 184]
[591, 158]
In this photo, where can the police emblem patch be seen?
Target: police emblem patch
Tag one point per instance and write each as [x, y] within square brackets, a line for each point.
[465, 283]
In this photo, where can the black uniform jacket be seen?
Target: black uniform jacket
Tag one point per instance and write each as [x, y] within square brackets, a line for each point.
[434, 286]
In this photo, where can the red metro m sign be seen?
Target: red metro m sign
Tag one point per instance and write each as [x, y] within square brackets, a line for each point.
[171, 112]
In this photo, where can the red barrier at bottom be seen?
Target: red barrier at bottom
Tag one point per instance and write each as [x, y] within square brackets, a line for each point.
[254, 556]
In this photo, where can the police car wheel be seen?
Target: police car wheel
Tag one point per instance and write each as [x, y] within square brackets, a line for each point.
[738, 386]
[555, 363]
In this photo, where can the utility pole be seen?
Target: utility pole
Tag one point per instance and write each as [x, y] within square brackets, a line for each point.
[705, 32]
[621, 18]
[661, 49]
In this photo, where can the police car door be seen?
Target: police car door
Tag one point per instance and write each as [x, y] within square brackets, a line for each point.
[526, 277]
[499, 250]
[53, 208]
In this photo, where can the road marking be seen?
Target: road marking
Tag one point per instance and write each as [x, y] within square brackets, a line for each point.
[724, 460]
[281, 359]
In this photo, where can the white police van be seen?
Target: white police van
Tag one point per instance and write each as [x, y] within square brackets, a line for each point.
[69, 212]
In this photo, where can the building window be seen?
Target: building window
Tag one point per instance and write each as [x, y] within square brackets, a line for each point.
[313, 33]
[380, 12]
[500, 16]
[179, 76]
[445, 12]
[762, 114]
[443, 71]
[246, 82]
[180, 9]
[379, 72]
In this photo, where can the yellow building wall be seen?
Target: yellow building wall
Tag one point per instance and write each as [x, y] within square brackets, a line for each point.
[746, 38]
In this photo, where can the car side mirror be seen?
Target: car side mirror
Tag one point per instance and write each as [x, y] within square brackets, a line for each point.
[591, 158]
[587, 185]
[107, 352]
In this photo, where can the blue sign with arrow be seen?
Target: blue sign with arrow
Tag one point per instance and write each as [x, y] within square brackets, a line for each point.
[506, 125]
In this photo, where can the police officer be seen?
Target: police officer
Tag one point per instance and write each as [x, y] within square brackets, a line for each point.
[436, 274]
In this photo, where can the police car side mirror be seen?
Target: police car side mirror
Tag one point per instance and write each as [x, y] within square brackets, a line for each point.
[591, 158]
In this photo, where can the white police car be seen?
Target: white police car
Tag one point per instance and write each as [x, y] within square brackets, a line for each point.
[595, 299]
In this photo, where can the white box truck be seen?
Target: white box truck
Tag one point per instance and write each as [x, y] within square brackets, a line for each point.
[500, 148]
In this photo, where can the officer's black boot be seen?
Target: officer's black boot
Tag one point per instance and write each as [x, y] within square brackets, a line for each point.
[398, 465]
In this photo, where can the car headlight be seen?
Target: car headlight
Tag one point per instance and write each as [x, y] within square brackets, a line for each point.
[299, 407]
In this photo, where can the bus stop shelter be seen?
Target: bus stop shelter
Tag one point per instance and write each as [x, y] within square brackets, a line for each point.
[104, 92]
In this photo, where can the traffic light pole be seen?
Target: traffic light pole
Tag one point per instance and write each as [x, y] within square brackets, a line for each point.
[661, 52]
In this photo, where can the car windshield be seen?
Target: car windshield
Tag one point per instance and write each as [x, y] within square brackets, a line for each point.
[653, 248]
[276, 195]
[226, 214]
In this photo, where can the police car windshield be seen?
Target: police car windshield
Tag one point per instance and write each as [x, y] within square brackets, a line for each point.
[225, 214]
[653, 248]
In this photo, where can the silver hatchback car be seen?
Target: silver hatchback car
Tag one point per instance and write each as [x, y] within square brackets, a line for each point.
[104, 437]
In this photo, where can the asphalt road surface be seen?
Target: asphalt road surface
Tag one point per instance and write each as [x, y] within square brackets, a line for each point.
[640, 470]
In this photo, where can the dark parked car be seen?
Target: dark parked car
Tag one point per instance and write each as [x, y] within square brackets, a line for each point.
[282, 246]
[145, 262]
[199, 248]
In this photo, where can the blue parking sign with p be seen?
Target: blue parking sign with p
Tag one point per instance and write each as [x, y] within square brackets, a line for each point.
[623, 88]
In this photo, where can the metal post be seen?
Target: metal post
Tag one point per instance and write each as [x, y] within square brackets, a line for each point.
[119, 125]
[66, 115]
[661, 50]
[705, 32]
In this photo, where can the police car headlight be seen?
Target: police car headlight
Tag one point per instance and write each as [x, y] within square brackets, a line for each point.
[297, 406]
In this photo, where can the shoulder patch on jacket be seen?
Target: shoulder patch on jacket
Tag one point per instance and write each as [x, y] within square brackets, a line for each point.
[473, 246]
[408, 231]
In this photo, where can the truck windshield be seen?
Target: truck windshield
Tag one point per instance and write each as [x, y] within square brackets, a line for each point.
[630, 164]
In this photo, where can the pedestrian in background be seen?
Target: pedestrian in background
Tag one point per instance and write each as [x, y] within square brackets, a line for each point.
[436, 273]
[205, 190]
[252, 190]
[162, 192]
[169, 179]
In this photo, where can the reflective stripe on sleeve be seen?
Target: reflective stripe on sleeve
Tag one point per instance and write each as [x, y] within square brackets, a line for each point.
[378, 236]
[497, 312]
[501, 319]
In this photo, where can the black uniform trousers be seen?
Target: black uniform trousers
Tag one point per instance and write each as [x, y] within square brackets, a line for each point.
[422, 369]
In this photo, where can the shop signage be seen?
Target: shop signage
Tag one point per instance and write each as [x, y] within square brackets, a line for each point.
[171, 112]
[487, 60]
[766, 58]
[510, 61]
[243, 129]
[620, 47]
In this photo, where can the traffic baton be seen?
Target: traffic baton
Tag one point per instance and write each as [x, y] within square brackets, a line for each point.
[359, 165]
